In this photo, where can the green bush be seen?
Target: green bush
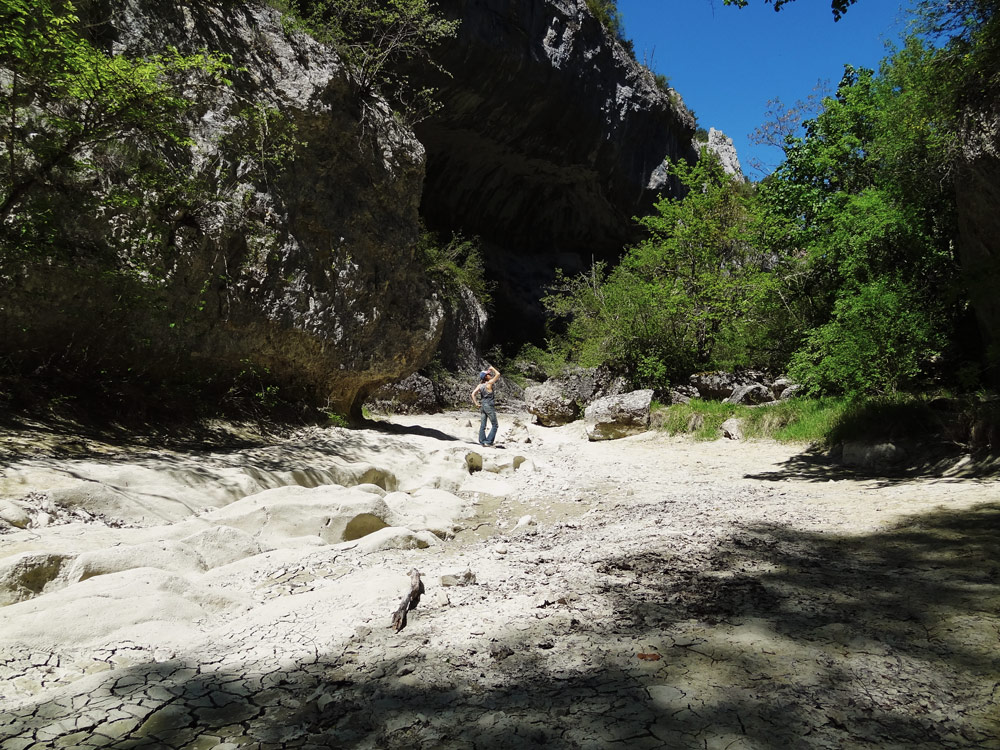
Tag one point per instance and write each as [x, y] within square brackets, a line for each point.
[678, 302]
[378, 41]
[876, 343]
[455, 262]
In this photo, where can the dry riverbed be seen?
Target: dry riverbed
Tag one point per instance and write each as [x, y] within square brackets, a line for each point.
[641, 593]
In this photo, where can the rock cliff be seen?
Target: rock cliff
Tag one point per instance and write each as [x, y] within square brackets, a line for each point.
[304, 278]
[551, 138]
[722, 146]
[301, 280]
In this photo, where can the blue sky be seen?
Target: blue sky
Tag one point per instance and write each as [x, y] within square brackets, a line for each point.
[727, 62]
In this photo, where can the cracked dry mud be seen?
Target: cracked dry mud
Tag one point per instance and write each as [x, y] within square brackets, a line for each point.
[663, 593]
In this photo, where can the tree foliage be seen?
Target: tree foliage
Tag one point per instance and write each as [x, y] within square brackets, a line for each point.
[380, 41]
[67, 108]
[667, 307]
[840, 266]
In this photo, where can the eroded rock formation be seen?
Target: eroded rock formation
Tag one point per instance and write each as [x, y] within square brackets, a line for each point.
[305, 278]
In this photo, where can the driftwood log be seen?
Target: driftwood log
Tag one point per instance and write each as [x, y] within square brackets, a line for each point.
[409, 602]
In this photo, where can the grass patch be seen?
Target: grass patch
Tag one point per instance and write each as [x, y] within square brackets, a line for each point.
[798, 420]
[972, 421]
[702, 420]
[794, 421]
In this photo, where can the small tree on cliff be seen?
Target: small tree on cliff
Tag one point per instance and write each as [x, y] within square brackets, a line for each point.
[67, 106]
[378, 40]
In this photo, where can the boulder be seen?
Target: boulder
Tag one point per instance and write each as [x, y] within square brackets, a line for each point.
[791, 391]
[561, 399]
[682, 394]
[618, 416]
[715, 385]
[779, 385]
[550, 404]
[754, 393]
[732, 429]
[719, 384]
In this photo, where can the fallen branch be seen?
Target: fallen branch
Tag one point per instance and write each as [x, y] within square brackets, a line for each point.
[409, 602]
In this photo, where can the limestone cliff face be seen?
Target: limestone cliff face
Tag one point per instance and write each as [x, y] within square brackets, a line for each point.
[551, 137]
[305, 278]
[549, 141]
[722, 146]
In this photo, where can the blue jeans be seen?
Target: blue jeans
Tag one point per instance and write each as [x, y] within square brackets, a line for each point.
[489, 412]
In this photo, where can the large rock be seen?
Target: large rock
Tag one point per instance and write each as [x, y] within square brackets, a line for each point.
[563, 398]
[720, 385]
[305, 279]
[751, 394]
[550, 405]
[618, 416]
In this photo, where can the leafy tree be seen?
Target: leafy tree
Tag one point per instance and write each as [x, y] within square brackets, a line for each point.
[66, 106]
[876, 341]
[864, 219]
[675, 301]
[379, 41]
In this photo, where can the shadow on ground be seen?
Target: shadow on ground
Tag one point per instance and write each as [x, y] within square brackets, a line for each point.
[927, 463]
[773, 638]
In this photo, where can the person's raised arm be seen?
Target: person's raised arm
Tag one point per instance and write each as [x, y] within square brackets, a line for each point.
[495, 377]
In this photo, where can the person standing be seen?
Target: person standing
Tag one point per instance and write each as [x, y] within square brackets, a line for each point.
[484, 397]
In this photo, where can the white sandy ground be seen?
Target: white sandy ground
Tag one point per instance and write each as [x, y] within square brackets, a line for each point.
[638, 593]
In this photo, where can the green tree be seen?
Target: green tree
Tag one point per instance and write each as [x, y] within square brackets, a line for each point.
[864, 215]
[66, 107]
[679, 300]
[380, 41]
